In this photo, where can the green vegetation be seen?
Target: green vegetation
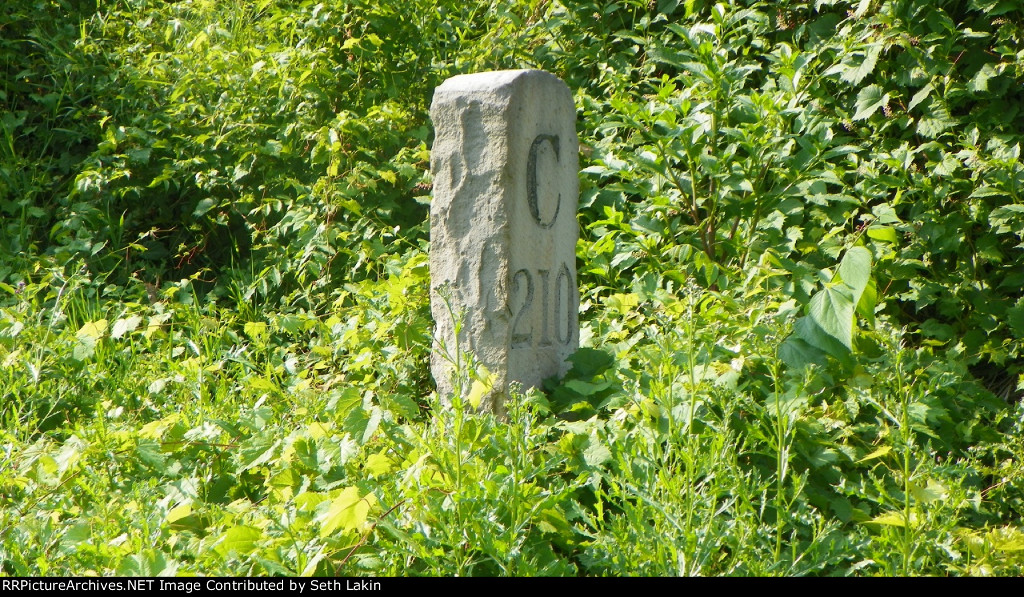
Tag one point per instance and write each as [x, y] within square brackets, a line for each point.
[800, 265]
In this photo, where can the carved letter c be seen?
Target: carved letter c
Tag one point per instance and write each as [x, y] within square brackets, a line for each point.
[531, 179]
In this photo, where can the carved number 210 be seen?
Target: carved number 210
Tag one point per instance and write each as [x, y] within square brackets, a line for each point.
[558, 313]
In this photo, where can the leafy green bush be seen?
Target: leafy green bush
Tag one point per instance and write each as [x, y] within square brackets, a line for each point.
[798, 266]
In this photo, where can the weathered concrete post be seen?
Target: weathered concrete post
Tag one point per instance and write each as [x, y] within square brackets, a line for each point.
[503, 227]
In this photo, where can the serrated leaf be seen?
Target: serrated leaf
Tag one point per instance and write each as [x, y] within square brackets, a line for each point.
[988, 191]
[84, 349]
[596, 453]
[893, 519]
[362, 423]
[832, 310]
[920, 96]
[152, 563]
[257, 451]
[869, 100]
[347, 512]
[876, 454]
[255, 329]
[935, 121]
[239, 539]
[622, 303]
[346, 401]
[980, 80]
[886, 214]
[378, 464]
[797, 352]
[856, 74]
[933, 491]
[74, 536]
[156, 429]
[1006, 539]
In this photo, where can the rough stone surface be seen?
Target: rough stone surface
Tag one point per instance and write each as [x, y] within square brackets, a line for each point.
[503, 228]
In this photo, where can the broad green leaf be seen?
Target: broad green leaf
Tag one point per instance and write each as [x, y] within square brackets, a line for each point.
[920, 96]
[869, 100]
[832, 310]
[842, 508]
[344, 402]
[93, 329]
[596, 452]
[239, 539]
[1006, 539]
[156, 429]
[255, 329]
[378, 464]
[178, 512]
[204, 206]
[75, 536]
[623, 304]
[482, 383]
[862, 8]
[856, 74]
[1015, 319]
[124, 326]
[347, 512]
[882, 233]
[868, 301]
[256, 451]
[260, 384]
[931, 492]
[150, 563]
[362, 423]
[84, 349]
[935, 121]
[1007, 218]
[588, 362]
[308, 501]
[798, 353]
[885, 213]
[586, 388]
[980, 80]
[989, 191]
[294, 324]
[69, 453]
[830, 315]
[855, 270]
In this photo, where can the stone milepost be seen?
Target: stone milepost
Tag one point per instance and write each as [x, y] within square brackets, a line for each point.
[503, 228]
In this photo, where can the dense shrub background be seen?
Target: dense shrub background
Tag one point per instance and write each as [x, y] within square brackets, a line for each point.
[800, 264]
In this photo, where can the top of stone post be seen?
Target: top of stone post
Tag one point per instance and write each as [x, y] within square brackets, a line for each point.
[491, 80]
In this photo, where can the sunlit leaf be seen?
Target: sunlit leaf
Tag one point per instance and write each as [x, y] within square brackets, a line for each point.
[93, 329]
[893, 519]
[238, 539]
[347, 512]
